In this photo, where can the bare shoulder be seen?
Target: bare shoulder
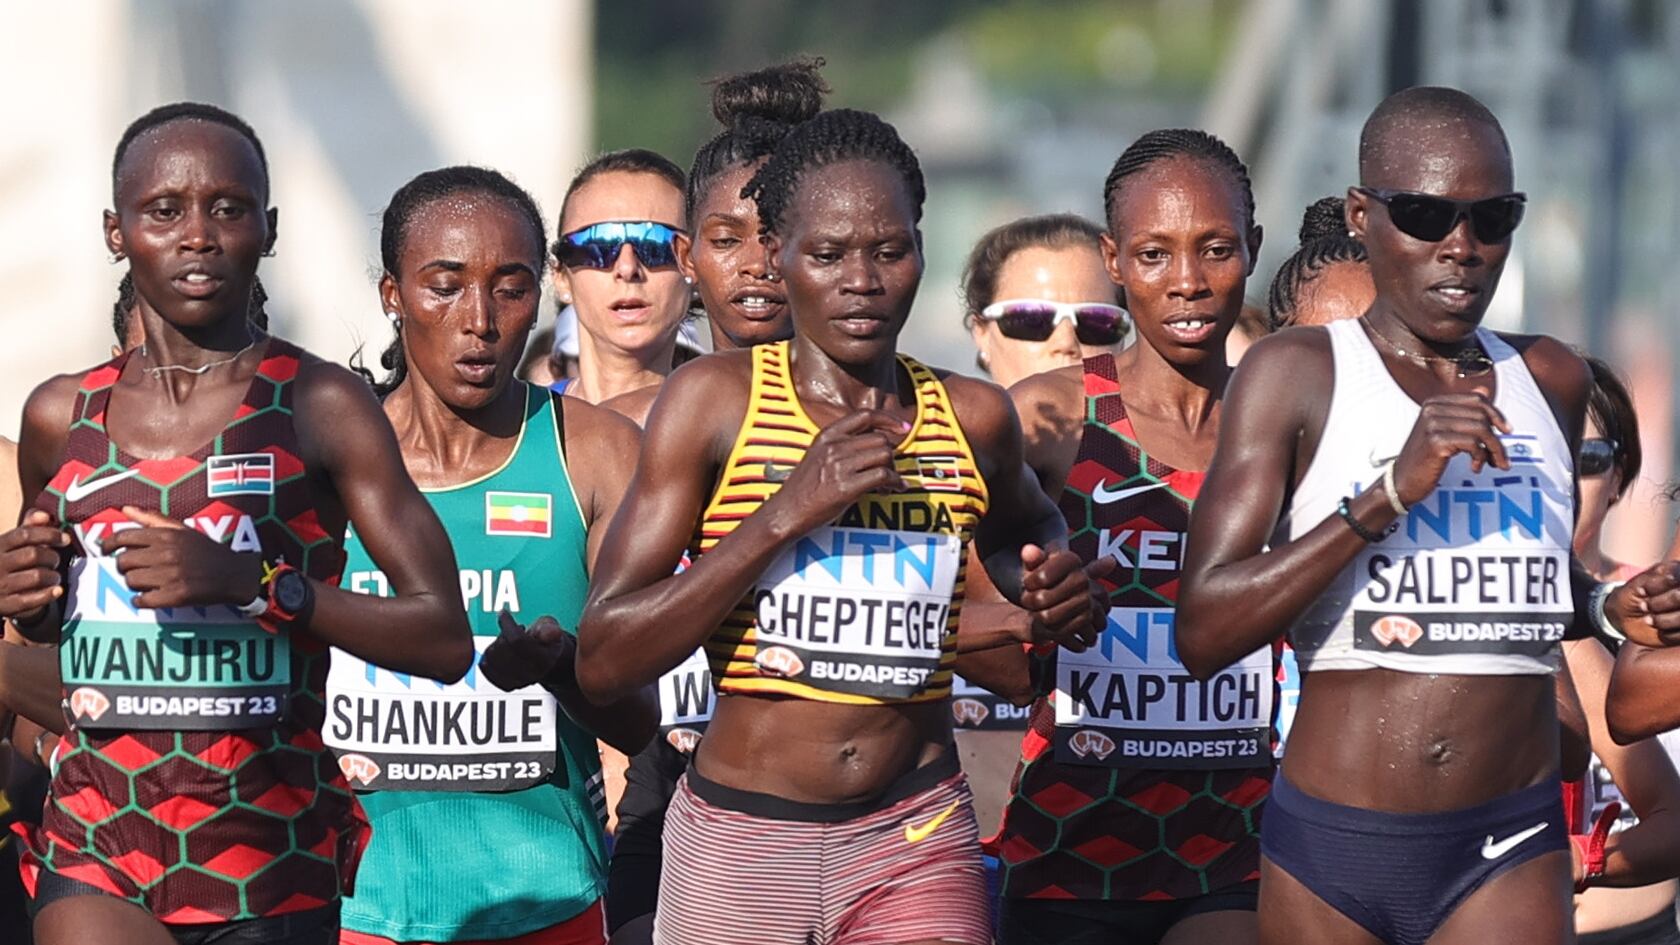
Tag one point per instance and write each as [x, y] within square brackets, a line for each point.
[1050, 401]
[983, 409]
[704, 400]
[1295, 365]
[1556, 367]
[597, 429]
[634, 406]
[52, 403]
[323, 385]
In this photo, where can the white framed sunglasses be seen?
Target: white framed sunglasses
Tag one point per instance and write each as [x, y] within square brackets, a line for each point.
[1097, 324]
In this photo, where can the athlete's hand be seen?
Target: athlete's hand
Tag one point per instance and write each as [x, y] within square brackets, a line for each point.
[524, 656]
[1065, 596]
[29, 561]
[1447, 425]
[168, 564]
[1647, 608]
[849, 459]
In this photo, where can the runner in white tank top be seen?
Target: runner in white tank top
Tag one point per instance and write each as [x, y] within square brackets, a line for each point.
[1426, 602]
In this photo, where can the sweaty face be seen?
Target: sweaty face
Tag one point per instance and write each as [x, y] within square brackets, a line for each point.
[1181, 247]
[467, 287]
[629, 307]
[191, 219]
[849, 258]
[1440, 290]
[1064, 274]
[1339, 291]
[729, 260]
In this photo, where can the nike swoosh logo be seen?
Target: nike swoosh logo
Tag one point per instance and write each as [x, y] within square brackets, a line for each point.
[1103, 495]
[1493, 851]
[81, 490]
[913, 834]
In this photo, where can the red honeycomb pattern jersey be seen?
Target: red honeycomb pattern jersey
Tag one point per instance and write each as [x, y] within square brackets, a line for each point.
[204, 826]
[1074, 831]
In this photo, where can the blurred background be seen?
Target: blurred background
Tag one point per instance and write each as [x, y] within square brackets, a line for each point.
[1015, 106]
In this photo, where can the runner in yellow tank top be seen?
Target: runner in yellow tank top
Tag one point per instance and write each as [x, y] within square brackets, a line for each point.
[829, 486]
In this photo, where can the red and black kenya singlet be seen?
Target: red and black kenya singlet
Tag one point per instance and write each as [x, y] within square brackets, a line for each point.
[1147, 785]
[194, 781]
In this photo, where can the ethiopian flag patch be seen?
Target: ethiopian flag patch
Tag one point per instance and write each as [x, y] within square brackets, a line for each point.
[518, 513]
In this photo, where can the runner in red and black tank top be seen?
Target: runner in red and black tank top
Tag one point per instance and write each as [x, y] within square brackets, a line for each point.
[1084, 821]
[218, 799]
[183, 551]
[1134, 814]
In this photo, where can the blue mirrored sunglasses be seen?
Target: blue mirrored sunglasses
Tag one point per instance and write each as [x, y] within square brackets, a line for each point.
[597, 246]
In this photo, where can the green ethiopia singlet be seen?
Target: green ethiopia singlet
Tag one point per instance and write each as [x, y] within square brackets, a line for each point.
[485, 804]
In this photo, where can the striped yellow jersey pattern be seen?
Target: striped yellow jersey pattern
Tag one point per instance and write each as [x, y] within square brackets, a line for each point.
[945, 494]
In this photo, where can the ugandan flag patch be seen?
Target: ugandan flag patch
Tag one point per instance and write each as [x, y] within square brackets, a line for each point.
[518, 513]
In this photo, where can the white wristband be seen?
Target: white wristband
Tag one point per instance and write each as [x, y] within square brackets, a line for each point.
[1391, 491]
[1595, 609]
[255, 608]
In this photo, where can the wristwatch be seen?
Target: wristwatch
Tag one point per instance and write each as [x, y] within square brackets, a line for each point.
[286, 595]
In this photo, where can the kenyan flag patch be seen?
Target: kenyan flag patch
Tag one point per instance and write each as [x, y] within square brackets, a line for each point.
[518, 513]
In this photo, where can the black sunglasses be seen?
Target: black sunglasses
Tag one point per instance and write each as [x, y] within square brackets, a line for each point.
[1430, 218]
[1598, 454]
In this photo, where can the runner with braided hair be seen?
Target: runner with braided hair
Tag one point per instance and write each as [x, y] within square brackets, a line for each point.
[828, 608]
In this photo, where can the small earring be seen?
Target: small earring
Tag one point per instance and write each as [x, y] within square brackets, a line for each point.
[268, 254]
[688, 279]
[116, 258]
[567, 299]
[394, 317]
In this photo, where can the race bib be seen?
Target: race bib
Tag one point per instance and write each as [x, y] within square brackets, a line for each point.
[858, 611]
[1471, 569]
[685, 702]
[1129, 703]
[179, 669]
[393, 731]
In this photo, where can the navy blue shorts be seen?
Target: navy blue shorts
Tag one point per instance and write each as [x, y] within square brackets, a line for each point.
[1401, 875]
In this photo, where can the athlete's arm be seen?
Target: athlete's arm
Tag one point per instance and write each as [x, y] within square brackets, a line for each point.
[423, 629]
[29, 684]
[600, 446]
[989, 639]
[642, 619]
[1649, 851]
[1023, 538]
[32, 555]
[1641, 702]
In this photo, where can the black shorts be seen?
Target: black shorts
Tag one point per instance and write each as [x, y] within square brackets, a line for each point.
[638, 853]
[309, 927]
[1100, 921]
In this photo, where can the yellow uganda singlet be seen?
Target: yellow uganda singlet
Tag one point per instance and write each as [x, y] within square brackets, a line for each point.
[864, 610]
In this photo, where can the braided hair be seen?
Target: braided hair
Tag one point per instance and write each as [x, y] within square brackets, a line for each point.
[1324, 243]
[756, 109]
[405, 205]
[127, 298]
[184, 111]
[832, 137]
[1168, 143]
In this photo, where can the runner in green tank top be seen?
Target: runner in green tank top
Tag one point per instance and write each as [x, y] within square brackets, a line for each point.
[492, 782]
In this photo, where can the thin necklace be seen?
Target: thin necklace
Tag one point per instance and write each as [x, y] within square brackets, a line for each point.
[1471, 361]
[158, 370]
